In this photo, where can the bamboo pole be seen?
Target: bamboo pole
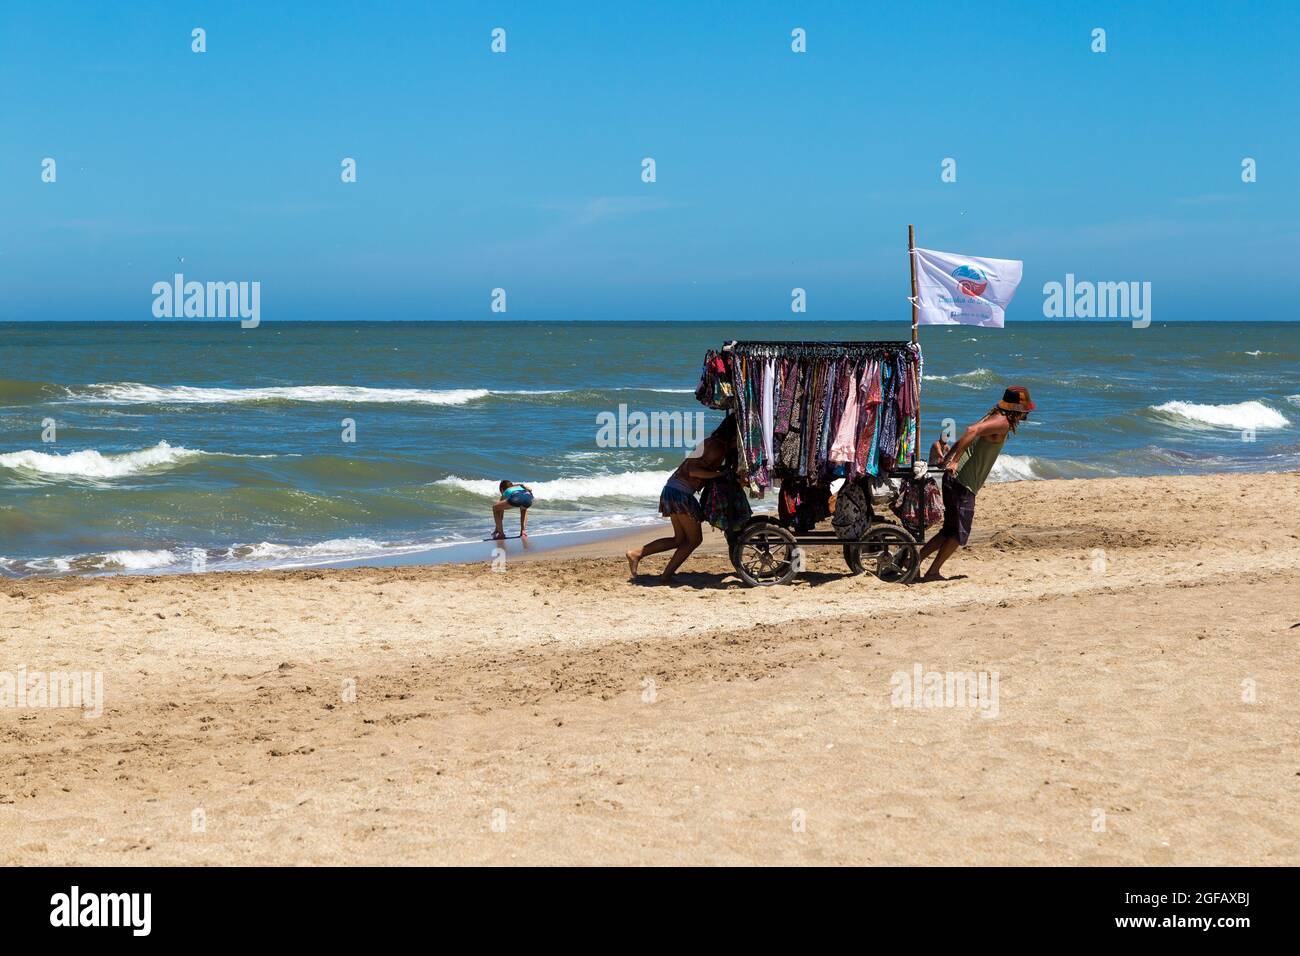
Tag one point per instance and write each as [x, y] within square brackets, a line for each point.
[911, 261]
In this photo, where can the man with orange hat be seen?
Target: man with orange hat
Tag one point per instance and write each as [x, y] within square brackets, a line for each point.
[966, 467]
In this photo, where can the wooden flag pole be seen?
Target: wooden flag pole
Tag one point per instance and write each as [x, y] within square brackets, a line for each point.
[911, 261]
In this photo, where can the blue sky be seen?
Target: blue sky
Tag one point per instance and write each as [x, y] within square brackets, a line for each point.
[523, 170]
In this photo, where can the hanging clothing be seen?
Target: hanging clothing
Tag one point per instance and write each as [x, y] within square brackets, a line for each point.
[846, 433]
[887, 439]
[789, 373]
[769, 389]
[803, 503]
[816, 410]
[909, 400]
[920, 504]
[792, 441]
[852, 512]
[714, 389]
[725, 505]
[821, 466]
[812, 427]
[868, 402]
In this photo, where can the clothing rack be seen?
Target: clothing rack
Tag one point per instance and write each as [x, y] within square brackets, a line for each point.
[828, 349]
[816, 409]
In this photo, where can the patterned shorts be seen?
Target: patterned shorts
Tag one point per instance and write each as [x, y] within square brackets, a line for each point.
[678, 498]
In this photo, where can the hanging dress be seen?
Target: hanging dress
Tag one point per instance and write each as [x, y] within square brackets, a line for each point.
[844, 446]
[787, 457]
[769, 390]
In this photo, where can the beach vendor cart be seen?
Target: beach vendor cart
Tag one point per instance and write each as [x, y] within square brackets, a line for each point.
[813, 416]
[836, 427]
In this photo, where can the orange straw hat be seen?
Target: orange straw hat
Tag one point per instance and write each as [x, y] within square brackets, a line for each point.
[1016, 399]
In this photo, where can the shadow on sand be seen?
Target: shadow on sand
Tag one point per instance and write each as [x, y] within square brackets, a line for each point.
[728, 581]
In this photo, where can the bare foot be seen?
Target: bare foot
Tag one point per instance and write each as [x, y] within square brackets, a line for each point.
[930, 577]
[665, 579]
[633, 559]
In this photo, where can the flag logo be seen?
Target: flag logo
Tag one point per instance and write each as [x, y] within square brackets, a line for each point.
[971, 280]
[953, 289]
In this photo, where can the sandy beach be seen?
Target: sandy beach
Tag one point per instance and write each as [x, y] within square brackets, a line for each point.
[1143, 633]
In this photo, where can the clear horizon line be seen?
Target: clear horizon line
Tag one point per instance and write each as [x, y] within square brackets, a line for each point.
[502, 319]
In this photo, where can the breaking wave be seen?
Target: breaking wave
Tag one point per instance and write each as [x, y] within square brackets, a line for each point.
[136, 393]
[976, 378]
[1014, 468]
[628, 484]
[94, 464]
[1241, 415]
[132, 393]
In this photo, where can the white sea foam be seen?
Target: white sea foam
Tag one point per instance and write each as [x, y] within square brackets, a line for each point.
[138, 560]
[132, 393]
[1241, 415]
[113, 562]
[271, 555]
[628, 484]
[1014, 468]
[975, 378]
[268, 555]
[35, 565]
[334, 548]
[611, 521]
[93, 464]
[235, 558]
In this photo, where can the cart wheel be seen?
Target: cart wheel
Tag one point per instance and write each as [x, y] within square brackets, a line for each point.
[733, 547]
[887, 551]
[764, 554]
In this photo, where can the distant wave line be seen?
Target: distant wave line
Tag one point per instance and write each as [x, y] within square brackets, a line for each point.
[135, 393]
[92, 463]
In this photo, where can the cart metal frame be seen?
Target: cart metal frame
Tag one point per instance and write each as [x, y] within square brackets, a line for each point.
[765, 550]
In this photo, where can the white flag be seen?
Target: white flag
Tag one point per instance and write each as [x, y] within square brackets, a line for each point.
[953, 289]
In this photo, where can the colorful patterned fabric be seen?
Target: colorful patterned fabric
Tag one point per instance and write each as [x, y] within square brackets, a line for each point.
[852, 512]
[725, 505]
[816, 414]
[920, 504]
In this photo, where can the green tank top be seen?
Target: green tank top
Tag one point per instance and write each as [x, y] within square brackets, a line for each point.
[976, 463]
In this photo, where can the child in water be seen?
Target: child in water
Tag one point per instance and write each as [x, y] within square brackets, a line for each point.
[512, 496]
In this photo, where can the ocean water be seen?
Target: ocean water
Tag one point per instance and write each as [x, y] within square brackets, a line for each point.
[187, 446]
